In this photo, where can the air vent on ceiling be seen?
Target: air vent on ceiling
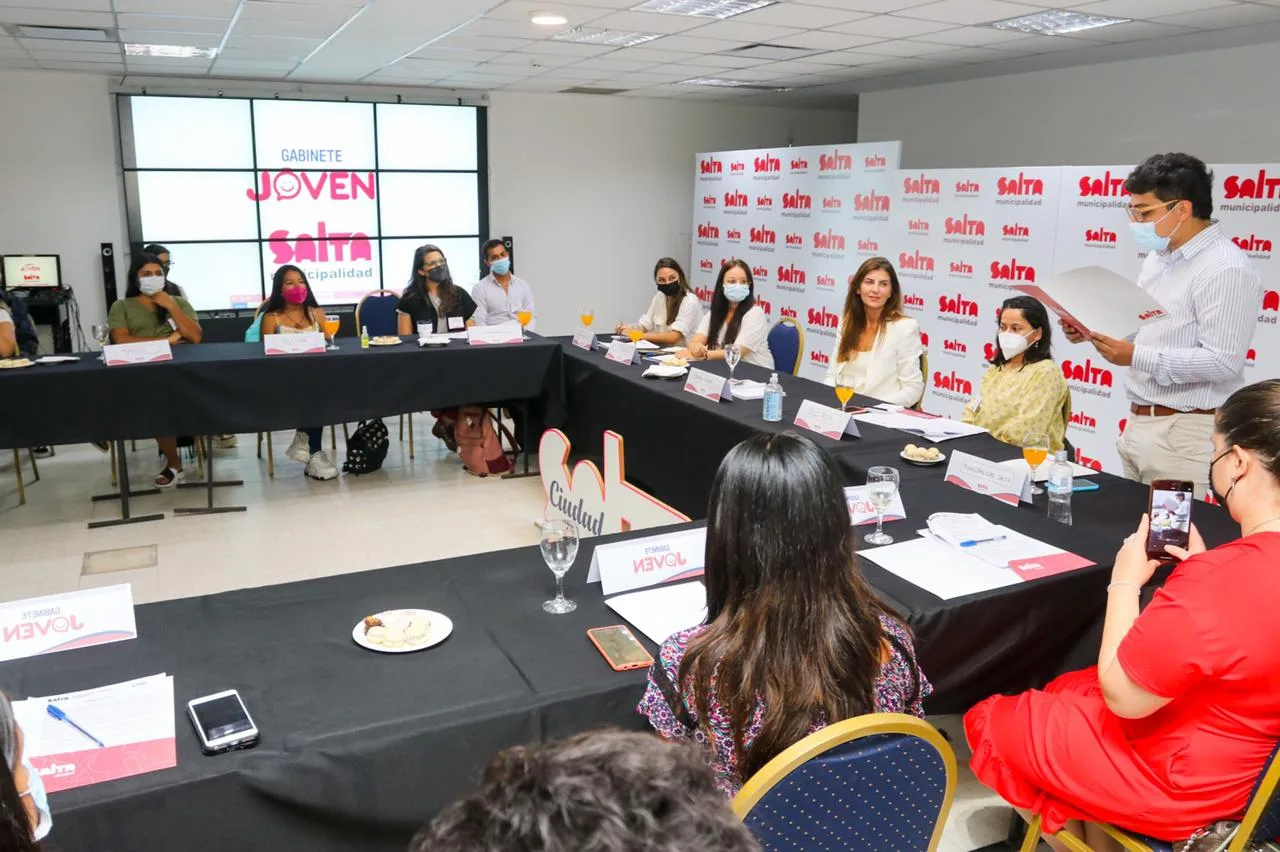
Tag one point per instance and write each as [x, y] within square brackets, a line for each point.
[64, 33]
[592, 90]
[774, 52]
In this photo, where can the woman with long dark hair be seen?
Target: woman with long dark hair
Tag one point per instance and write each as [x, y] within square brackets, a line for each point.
[433, 298]
[877, 351]
[794, 638]
[24, 806]
[1023, 393]
[152, 309]
[674, 314]
[734, 318]
[292, 308]
[1169, 732]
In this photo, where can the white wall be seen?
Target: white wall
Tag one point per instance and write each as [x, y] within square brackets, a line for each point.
[60, 187]
[1218, 105]
[595, 189]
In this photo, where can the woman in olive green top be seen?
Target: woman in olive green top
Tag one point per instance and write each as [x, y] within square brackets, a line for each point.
[152, 310]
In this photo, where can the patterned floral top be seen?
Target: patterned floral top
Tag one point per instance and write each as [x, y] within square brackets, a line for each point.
[893, 689]
[1012, 404]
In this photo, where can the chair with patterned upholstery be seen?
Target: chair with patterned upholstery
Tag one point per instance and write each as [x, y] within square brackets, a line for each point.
[786, 343]
[1261, 821]
[877, 783]
[377, 312]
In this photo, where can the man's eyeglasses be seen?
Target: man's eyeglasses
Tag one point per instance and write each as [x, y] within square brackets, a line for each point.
[1140, 214]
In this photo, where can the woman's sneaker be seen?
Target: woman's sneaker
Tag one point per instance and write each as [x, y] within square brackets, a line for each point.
[300, 449]
[319, 466]
[169, 476]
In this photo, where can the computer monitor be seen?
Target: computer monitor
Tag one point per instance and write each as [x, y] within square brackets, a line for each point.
[31, 270]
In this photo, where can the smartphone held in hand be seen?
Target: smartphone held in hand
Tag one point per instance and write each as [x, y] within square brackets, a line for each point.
[1170, 516]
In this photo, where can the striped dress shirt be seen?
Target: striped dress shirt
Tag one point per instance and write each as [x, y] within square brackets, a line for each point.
[1195, 357]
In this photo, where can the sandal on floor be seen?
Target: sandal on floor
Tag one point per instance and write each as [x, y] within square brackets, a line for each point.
[169, 476]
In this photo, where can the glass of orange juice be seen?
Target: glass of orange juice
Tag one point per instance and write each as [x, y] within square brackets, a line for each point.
[635, 334]
[587, 316]
[331, 323]
[524, 317]
[844, 393]
[1035, 449]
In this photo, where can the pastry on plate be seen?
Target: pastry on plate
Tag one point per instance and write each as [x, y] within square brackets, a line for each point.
[923, 454]
[673, 361]
[384, 340]
[376, 635]
[415, 633]
[393, 638]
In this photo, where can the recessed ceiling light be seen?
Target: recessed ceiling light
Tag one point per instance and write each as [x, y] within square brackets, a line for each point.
[1057, 22]
[719, 9]
[63, 33]
[171, 51]
[548, 19]
[597, 35]
[720, 82]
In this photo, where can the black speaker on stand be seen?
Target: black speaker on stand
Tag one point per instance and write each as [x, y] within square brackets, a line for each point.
[109, 273]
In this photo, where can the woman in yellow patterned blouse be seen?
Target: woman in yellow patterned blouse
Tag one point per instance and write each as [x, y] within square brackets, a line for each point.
[1024, 392]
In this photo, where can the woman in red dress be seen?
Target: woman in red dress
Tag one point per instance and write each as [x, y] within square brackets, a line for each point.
[1169, 732]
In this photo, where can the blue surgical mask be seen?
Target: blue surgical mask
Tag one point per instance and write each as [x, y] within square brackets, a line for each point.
[1144, 234]
[737, 292]
[35, 789]
[501, 266]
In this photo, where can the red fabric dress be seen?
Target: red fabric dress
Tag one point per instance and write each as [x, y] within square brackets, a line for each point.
[1210, 640]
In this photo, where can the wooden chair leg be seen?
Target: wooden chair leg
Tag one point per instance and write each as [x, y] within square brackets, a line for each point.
[271, 459]
[199, 451]
[35, 471]
[259, 445]
[333, 435]
[411, 436]
[135, 445]
[17, 471]
[113, 463]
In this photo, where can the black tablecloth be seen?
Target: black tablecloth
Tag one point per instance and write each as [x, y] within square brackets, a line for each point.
[222, 388]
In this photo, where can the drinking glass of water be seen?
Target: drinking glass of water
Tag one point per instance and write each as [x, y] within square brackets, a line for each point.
[732, 355]
[882, 484]
[102, 334]
[559, 549]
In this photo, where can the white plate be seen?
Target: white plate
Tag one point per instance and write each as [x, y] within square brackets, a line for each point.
[437, 631]
[395, 342]
[921, 463]
[661, 372]
[57, 359]
[433, 340]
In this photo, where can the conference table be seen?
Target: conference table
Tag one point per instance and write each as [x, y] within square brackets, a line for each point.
[360, 748]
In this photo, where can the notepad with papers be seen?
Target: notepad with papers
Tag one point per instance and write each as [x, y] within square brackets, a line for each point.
[660, 611]
[927, 426]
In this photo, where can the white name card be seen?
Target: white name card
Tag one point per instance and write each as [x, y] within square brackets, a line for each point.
[146, 352]
[642, 562]
[824, 420]
[990, 478]
[861, 510]
[487, 335]
[708, 385]
[63, 622]
[624, 352]
[293, 344]
[584, 339]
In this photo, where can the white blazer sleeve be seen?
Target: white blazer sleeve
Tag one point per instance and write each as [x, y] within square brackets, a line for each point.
[704, 325]
[689, 317]
[906, 353]
[753, 335]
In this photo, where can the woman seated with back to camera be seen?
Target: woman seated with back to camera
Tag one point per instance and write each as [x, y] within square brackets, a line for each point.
[1023, 393]
[878, 350]
[24, 806]
[293, 308]
[1169, 732]
[734, 318]
[152, 310]
[434, 300]
[674, 314]
[794, 638]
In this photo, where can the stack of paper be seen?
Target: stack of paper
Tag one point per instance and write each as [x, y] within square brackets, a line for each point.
[124, 729]
[747, 389]
[927, 426]
[960, 530]
[1042, 472]
[663, 610]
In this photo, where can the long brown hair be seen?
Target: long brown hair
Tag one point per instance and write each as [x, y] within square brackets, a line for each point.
[855, 313]
[673, 302]
[720, 305]
[790, 619]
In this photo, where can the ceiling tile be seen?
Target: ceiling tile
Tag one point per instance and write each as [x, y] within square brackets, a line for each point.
[891, 26]
[906, 48]
[973, 55]
[520, 10]
[55, 17]
[1136, 31]
[818, 40]
[1234, 16]
[176, 24]
[109, 47]
[43, 56]
[902, 66]
[649, 22]
[287, 29]
[268, 10]
[970, 11]
[1049, 44]
[800, 15]
[746, 33]
[185, 39]
[177, 8]
[1141, 9]
[542, 59]
[609, 63]
[84, 67]
[876, 6]
[973, 37]
[564, 48]
[467, 42]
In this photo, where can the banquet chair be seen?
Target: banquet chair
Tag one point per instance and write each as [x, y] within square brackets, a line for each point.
[377, 311]
[786, 342]
[17, 470]
[883, 782]
[1261, 821]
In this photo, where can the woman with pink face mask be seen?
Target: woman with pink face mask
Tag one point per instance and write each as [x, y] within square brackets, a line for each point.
[292, 309]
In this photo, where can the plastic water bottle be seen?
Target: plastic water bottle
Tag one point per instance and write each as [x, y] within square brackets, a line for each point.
[773, 400]
[364, 337]
[1059, 487]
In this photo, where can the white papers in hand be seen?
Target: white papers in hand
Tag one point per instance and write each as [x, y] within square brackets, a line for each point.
[939, 569]
[661, 611]
[1097, 300]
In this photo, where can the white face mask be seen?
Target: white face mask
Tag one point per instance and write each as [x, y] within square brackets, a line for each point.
[150, 284]
[1012, 344]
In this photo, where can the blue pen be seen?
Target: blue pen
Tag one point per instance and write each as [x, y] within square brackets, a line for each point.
[62, 717]
[974, 541]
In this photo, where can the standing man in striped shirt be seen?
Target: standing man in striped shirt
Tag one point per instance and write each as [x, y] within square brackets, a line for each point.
[1182, 368]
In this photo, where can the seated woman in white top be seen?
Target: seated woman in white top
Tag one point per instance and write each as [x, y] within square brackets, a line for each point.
[734, 318]
[674, 313]
[877, 350]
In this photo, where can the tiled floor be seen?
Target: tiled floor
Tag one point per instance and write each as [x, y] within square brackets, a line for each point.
[297, 528]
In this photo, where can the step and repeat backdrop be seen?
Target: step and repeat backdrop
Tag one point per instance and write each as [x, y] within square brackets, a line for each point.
[960, 239]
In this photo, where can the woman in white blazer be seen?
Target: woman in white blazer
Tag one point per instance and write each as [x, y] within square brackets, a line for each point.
[877, 350]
